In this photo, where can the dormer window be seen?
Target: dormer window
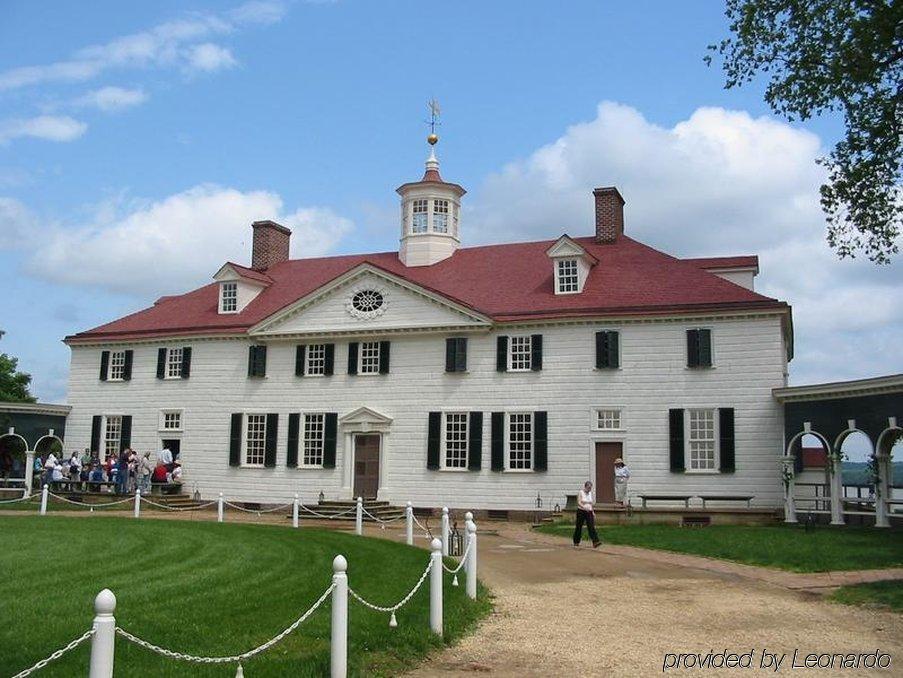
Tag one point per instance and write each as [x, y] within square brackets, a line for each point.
[419, 223]
[440, 216]
[228, 297]
[567, 278]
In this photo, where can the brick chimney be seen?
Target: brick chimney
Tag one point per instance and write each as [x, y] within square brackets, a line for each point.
[609, 214]
[270, 244]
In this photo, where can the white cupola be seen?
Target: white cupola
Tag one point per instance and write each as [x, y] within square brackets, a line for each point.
[430, 216]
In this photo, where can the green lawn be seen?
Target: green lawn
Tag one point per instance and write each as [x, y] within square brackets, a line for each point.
[780, 546]
[880, 594]
[211, 589]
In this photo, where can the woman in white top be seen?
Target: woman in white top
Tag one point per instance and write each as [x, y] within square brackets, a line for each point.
[586, 514]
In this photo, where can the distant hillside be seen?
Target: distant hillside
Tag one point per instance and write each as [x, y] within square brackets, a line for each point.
[856, 473]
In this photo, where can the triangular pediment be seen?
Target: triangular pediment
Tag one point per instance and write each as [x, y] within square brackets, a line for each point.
[365, 416]
[566, 246]
[391, 304]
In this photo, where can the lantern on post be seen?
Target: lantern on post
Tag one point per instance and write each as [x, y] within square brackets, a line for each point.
[321, 497]
[456, 541]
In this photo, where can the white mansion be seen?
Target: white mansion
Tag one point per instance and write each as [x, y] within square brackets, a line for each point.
[472, 377]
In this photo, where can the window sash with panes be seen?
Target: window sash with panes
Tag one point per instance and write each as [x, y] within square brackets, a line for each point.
[455, 440]
[568, 278]
[230, 297]
[116, 371]
[174, 363]
[172, 421]
[112, 437]
[520, 354]
[608, 419]
[315, 360]
[255, 439]
[440, 216]
[701, 441]
[314, 437]
[520, 441]
[369, 357]
[419, 216]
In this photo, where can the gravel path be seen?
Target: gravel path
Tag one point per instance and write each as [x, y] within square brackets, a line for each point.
[566, 612]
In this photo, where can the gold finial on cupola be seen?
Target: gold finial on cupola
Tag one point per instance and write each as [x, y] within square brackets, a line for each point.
[433, 138]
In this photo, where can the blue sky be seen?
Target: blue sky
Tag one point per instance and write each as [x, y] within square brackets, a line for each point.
[138, 141]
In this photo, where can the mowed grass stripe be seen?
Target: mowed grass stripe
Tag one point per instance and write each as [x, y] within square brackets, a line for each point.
[210, 589]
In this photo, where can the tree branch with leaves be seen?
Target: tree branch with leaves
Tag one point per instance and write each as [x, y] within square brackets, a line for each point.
[14, 384]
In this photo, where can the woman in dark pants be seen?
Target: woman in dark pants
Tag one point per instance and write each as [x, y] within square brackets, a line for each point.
[585, 514]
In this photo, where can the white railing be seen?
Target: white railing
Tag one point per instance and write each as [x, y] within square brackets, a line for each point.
[104, 629]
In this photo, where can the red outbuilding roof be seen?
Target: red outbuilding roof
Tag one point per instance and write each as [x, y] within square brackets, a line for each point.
[511, 282]
[709, 263]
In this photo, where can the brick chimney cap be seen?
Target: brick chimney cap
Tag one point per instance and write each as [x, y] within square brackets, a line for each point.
[602, 190]
[268, 223]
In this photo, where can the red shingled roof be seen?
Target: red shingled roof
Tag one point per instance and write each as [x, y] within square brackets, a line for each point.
[748, 261]
[505, 282]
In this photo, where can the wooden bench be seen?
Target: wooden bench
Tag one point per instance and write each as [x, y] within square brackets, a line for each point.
[166, 488]
[728, 497]
[685, 498]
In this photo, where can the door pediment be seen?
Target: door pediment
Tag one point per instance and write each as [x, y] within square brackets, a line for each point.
[365, 420]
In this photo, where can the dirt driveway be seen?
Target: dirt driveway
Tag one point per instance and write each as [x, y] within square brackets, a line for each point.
[567, 612]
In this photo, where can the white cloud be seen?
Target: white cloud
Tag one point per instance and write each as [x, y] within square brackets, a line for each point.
[17, 223]
[719, 182]
[174, 244]
[47, 127]
[112, 99]
[209, 57]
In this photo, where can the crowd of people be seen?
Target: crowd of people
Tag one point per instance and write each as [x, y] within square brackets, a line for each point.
[122, 473]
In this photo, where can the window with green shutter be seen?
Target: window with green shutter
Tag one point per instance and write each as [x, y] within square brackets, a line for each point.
[699, 347]
[608, 350]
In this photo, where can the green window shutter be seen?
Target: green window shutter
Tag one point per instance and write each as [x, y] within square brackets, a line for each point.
[125, 438]
[726, 439]
[257, 361]
[127, 365]
[450, 349]
[676, 426]
[461, 354]
[235, 439]
[96, 422]
[540, 441]
[186, 362]
[433, 440]
[601, 350]
[705, 348]
[300, 351]
[498, 441]
[692, 348]
[501, 354]
[269, 453]
[536, 352]
[252, 353]
[294, 426]
[475, 441]
[329, 360]
[352, 357]
[614, 357]
[161, 363]
[104, 364]
[330, 435]
[384, 354]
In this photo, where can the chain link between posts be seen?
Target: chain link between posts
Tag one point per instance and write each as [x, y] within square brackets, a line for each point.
[401, 603]
[462, 562]
[90, 506]
[281, 507]
[56, 655]
[13, 501]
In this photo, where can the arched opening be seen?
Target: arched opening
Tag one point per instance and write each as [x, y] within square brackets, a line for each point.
[49, 444]
[890, 446]
[857, 466]
[811, 487]
[12, 459]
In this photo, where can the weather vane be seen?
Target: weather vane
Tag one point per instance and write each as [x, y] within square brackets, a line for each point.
[434, 120]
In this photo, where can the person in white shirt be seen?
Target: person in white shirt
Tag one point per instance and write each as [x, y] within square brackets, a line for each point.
[164, 457]
[622, 475]
[585, 514]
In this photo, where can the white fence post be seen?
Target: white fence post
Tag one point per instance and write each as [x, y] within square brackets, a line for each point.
[44, 493]
[471, 565]
[445, 530]
[295, 512]
[409, 524]
[102, 642]
[359, 517]
[219, 509]
[339, 641]
[436, 587]
[138, 502]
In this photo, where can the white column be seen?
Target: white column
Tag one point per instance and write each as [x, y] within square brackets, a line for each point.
[137, 502]
[836, 491]
[436, 587]
[219, 508]
[29, 472]
[44, 493]
[445, 530]
[295, 512]
[471, 565]
[409, 524]
[788, 474]
[102, 642]
[359, 517]
[882, 489]
[339, 640]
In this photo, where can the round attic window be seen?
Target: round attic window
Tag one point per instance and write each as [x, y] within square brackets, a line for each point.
[367, 301]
